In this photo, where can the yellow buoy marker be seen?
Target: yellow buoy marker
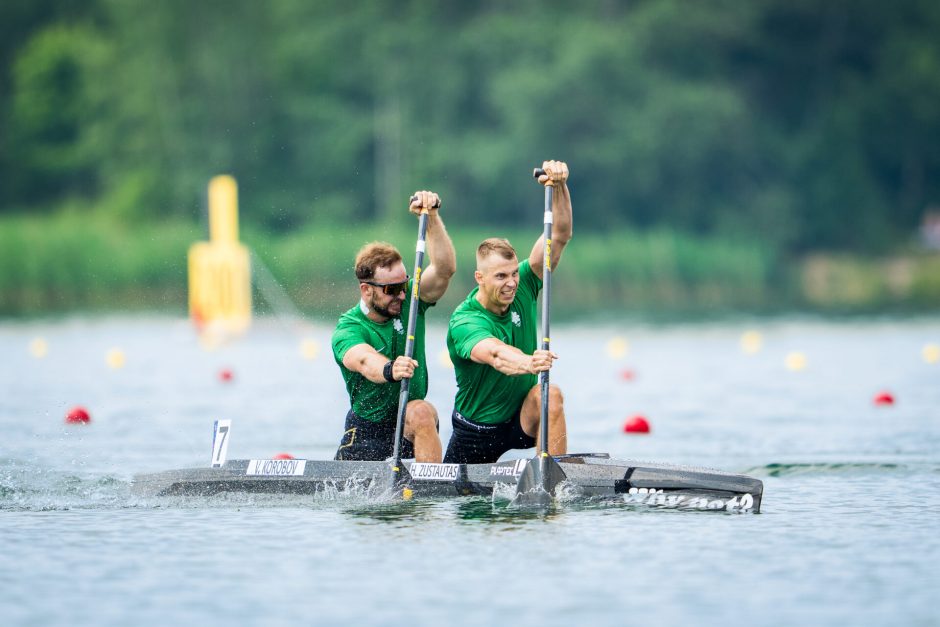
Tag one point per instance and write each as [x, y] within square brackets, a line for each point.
[751, 342]
[444, 358]
[38, 348]
[617, 347]
[309, 348]
[795, 361]
[115, 358]
[220, 269]
[931, 353]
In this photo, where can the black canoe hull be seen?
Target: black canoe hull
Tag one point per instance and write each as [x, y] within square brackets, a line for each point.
[590, 475]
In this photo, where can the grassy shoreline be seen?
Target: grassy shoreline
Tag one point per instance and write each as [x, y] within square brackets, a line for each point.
[71, 262]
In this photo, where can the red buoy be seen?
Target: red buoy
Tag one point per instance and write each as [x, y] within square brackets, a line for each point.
[636, 424]
[198, 321]
[77, 416]
[283, 456]
[884, 398]
[627, 375]
[225, 375]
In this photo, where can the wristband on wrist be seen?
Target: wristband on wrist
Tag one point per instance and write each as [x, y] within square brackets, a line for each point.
[387, 372]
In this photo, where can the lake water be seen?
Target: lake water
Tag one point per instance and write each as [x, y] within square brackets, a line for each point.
[849, 532]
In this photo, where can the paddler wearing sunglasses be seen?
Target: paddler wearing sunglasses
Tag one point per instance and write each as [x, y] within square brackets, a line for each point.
[369, 346]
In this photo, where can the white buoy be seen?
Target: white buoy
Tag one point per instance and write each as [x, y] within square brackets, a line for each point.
[444, 358]
[931, 353]
[115, 358]
[617, 347]
[309, 348]
[39, 348]
[795, 361]
[751, 342]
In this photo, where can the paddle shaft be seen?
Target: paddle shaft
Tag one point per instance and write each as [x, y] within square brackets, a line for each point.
[546, 310]
[410, 338]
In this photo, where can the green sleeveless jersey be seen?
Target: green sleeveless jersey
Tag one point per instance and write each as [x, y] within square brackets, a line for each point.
[378, 402]
[484, 394]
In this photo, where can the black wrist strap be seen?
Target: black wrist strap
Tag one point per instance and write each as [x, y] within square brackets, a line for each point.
[387, 372]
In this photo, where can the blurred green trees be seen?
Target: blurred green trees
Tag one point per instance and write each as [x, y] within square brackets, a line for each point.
[802, 124]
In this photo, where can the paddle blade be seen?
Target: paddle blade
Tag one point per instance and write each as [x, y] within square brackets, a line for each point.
[536, 486]
[398, 481]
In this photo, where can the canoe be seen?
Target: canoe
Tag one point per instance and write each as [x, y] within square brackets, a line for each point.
[590, 475]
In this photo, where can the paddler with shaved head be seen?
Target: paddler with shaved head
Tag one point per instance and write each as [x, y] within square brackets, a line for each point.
[369, 346]
[492, 341]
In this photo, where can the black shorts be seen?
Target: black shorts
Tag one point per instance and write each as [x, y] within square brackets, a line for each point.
[476, 443]
[365, 440]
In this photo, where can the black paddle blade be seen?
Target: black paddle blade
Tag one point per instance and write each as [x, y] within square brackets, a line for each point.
[536, 486]
[399, 481]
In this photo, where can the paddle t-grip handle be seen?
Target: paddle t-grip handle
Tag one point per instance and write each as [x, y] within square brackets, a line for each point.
[537, 172]
[414, 199]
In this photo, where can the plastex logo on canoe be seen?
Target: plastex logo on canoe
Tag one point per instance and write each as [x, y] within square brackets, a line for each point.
[509, 471]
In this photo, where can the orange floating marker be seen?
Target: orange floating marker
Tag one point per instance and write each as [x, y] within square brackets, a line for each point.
[636, 424]
[77, 416]
[884, 398]
[225, 375]
[283, 456]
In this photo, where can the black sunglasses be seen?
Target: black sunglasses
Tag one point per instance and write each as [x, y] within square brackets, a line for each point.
[390, 289]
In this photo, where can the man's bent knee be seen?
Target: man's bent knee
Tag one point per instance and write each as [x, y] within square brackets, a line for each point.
[420, 415]
[554, 393]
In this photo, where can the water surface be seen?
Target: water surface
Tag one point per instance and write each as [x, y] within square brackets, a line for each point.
[848, 534]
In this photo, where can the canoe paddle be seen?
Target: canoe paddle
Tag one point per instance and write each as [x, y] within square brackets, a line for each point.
[397, 476]
[542, 474]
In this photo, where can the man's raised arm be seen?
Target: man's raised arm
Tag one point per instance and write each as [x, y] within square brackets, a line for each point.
[442, 260]
[556, 174]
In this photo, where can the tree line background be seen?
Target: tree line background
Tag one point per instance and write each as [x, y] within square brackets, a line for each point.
[798, 124]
